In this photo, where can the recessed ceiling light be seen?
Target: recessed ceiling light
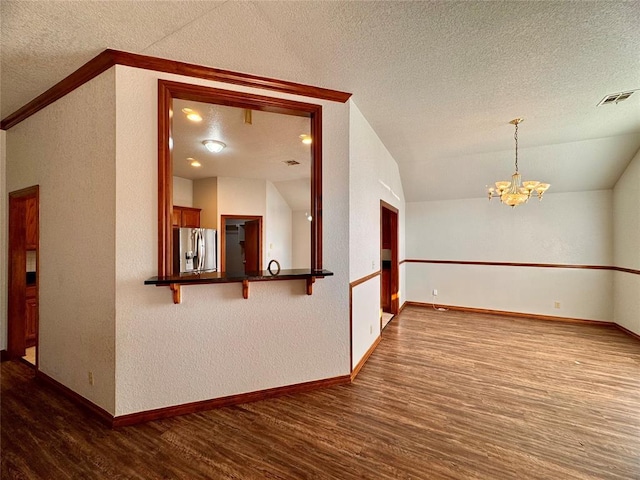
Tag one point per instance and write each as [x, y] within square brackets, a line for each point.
[306, 139]
[193, 162]
[214, 146]
[192, 115]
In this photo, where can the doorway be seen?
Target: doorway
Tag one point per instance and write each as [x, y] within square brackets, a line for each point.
[241, 244]
[22, 324]
[389, 267]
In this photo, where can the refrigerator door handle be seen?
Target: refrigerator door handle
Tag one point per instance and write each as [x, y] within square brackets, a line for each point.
[200, 248]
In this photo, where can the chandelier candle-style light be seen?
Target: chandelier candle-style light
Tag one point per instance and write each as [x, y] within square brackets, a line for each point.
[516, 192]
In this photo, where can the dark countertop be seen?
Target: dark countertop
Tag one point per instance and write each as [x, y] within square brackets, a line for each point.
[233, 277]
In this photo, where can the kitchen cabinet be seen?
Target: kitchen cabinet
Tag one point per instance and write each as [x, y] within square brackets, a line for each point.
[186, 217]
[31, 214]
[31, 316]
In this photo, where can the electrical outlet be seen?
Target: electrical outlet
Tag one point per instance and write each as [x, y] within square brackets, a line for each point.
[370, 329]
[373, 264]
[556, 305]
[90, 378]
[435, 292]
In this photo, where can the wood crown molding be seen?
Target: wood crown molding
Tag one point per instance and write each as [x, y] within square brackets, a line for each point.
[522, 264]
[109, 58]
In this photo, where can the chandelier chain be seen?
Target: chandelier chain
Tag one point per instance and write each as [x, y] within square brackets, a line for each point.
[515, 136]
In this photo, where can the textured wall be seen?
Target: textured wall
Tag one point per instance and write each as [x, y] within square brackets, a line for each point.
[626, 209]
[68, 148]
[566, 228]
[370, 163]
[216, 343]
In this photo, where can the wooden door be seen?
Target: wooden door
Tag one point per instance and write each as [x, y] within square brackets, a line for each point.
[22, 321]
[16, 341]
[389, 279]
[252, 246]
[31, 317]
[31, 215]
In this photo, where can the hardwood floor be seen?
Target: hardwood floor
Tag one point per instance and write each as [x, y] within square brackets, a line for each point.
[445, 395]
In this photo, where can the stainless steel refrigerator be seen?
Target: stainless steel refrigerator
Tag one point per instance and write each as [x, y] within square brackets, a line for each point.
[194, 250]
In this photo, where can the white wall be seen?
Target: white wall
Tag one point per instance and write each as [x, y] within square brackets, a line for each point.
[182, 192]
[4, 221]
[216, 343]
[565, 228]
[301, 239]
[626, 213]
[77, 232]
[370, 163]
[278, 229]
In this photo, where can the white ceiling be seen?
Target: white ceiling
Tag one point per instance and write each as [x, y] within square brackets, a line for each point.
[253, 150]
[438, 81]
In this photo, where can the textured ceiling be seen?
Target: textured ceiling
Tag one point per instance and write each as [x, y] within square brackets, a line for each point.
[253, 150]
[438, 81]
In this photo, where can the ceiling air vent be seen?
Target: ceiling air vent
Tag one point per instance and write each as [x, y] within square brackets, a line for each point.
[290, 163]
[615, 98]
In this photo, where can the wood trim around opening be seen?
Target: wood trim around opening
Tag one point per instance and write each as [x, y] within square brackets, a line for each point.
[108, 58]
[166, 92]
[16, 281]
[394, 225]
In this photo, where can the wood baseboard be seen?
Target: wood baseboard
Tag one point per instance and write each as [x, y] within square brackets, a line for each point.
[78, 399]
[402, 308]
[627, 331]
[364, 358]
[193, 407]
[533, 316]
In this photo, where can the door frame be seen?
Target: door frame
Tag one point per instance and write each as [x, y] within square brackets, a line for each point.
[395, 267]
[223, 237]
[16, 284]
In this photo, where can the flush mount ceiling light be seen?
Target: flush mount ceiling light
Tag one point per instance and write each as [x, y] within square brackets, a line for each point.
[214, 146]
[192, 115]
[516, 192]
[306, 139]
[193, 162]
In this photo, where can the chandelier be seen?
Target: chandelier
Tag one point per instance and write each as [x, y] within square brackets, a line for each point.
[516, 192]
